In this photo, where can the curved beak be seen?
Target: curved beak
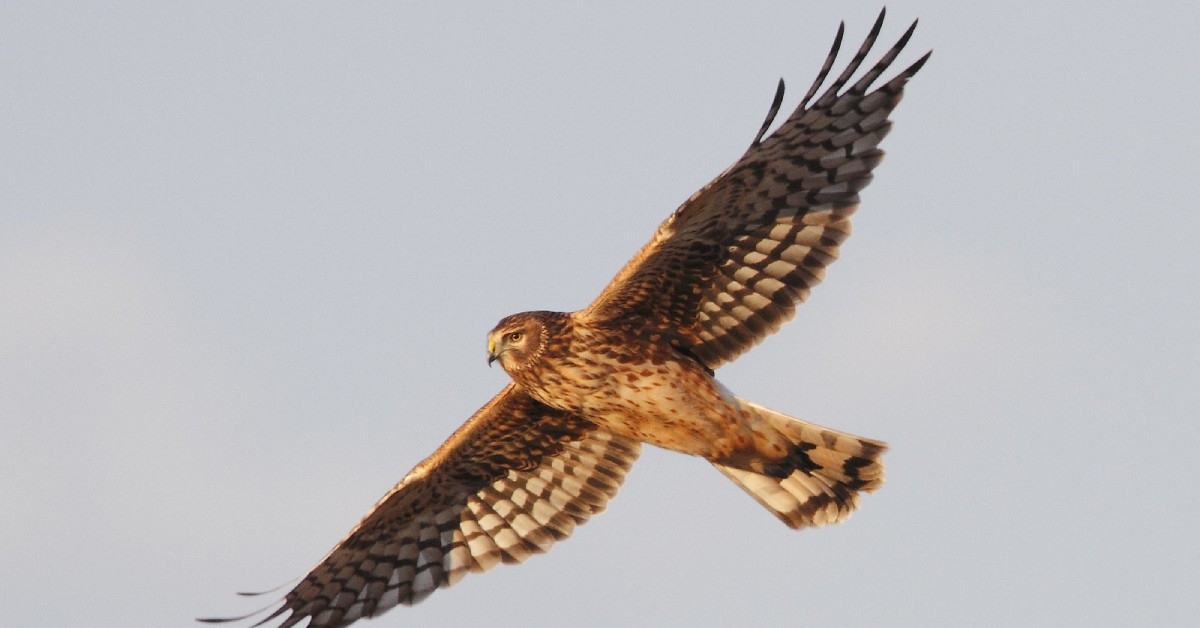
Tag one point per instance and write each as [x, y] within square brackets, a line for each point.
[492, 353]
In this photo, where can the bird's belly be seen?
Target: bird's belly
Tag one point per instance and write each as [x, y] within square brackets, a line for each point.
[671, 407]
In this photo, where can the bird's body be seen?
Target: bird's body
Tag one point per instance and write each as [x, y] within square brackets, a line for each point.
[637, 383]
[637, 366]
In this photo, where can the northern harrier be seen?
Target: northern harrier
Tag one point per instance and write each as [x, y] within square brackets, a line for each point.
[636, 366]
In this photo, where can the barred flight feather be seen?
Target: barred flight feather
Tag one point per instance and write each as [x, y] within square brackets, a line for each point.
[842, 465]
[731, 264]
[432, 529]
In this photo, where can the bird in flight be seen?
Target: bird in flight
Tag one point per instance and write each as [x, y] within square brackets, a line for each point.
[636, 366]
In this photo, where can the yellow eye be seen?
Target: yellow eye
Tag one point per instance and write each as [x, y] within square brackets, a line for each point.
[516, 336]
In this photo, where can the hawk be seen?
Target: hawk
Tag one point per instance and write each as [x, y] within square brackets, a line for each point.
[636, 366]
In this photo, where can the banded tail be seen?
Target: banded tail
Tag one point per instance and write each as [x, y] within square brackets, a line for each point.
[828, 471]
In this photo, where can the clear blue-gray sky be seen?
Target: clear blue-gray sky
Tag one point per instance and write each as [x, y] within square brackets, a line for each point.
[249, 253]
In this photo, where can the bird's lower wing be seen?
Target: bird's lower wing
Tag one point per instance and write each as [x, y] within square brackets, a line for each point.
[514, 479]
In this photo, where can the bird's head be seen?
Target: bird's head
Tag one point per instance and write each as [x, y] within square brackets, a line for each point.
[517, 340]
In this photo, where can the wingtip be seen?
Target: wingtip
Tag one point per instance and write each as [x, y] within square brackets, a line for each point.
[878, 27]
[903, 41]
[225, 620]
[771, 113]
[918, 64]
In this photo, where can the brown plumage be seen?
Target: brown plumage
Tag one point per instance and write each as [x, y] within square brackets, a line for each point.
[722, 272]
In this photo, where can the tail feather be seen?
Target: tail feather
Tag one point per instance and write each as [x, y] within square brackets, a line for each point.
[829, 471]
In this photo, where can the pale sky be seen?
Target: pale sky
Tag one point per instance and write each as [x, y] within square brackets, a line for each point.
[249, 253]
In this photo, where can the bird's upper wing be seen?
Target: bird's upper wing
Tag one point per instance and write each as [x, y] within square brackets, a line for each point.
[730, 265]
[514, 479]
